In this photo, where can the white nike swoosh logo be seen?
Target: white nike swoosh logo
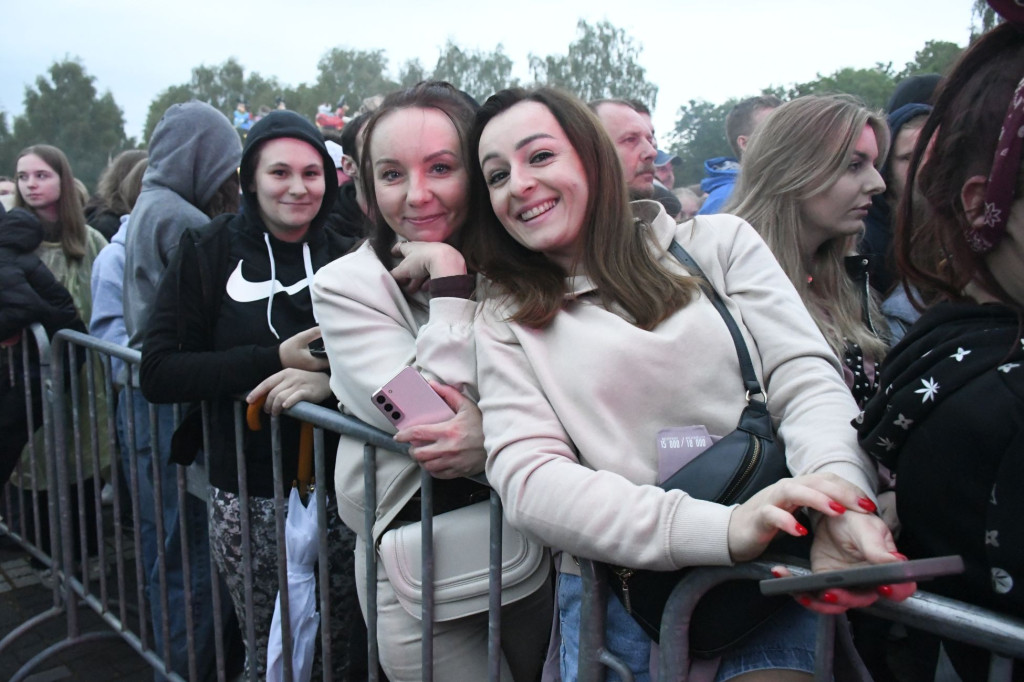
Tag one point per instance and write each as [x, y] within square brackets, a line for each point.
[242, 290]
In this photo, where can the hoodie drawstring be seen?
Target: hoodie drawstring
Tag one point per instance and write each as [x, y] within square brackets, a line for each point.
[307, 261]
[273, 281]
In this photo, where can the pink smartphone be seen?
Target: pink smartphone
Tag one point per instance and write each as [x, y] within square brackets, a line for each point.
[408, 400]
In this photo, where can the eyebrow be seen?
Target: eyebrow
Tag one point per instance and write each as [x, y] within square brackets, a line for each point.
[519, 145]
[428, 157]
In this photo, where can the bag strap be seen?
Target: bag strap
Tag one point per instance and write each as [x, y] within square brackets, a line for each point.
[746, 366]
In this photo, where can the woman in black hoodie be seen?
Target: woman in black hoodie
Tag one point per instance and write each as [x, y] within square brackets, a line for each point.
[233, 315]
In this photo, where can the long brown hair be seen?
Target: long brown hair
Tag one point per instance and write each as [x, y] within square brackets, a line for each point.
[457, 106]
[960, 140]
[617, 252]
[70, 216]
[799, 151]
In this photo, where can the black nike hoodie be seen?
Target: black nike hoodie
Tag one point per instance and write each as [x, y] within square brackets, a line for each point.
[231, 294]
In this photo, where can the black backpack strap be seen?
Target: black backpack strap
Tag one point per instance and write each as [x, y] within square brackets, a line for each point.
[746, 366]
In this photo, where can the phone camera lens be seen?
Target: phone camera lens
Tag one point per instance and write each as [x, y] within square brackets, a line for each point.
[388, 406]
[381, 399]
[396, 415]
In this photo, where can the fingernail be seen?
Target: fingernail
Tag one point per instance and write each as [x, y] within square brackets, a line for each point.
[836, 507]
[776, 573]
[867, 505]
[800, 530]
[830, 598]
[898, 555]
[804, 601]
[884, 590]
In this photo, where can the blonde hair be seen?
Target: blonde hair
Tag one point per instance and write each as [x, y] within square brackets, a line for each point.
[799, 151]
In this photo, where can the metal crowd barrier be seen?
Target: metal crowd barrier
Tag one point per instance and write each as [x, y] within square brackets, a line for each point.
[1001, 635]
[124, 607]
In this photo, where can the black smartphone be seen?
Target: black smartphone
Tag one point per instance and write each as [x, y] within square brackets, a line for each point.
[874, 575]
[316, 348]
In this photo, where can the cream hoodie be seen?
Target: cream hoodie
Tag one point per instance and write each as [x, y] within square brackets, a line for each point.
[571, 412]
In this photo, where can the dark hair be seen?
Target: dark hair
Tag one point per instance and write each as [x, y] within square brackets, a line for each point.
[740, 120]
[960, 139]
[70, 217]
[109, 185]
[424, 95]
[616, 248]
[350, 133]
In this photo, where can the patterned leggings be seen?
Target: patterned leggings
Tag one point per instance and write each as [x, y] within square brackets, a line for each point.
[348, 632]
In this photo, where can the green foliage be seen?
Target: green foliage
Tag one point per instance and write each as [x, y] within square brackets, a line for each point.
[872, 86]
[478, 73]
[983, 18]
[411, 73]
[65, 110]
[357, 74]
[602, 62]
[937, 56]
[219, 86]
[699, 135]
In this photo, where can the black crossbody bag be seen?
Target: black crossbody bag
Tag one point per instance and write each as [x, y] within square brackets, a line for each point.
[731, 471]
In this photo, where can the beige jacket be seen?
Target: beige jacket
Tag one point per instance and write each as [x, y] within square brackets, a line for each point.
[594, 390]
[371, 332]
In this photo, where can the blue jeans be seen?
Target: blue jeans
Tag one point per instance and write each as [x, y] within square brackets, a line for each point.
[784, 642]
[194, 516]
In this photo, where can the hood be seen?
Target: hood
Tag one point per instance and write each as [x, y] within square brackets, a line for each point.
[278, 124]
[721, 170]
[192, 151]
[951, 345]
[21, 231]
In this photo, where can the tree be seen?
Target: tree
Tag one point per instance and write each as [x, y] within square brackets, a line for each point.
[411, 73]
[476, 72]
[872, 86]
[937, 56]
[65, 111]
[357, 74]
[699, 135]
[983, 18]
[602, 62]
[220, 87]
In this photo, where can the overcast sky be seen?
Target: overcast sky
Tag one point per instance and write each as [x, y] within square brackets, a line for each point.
[708, 49]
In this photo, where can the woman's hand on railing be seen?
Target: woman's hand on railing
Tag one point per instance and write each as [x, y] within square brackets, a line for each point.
[452, 448]
[846, 541]
[756, 522]
[288, 387]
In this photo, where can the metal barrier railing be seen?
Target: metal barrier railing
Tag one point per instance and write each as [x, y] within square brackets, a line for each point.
[125, 609]
[1001, 635]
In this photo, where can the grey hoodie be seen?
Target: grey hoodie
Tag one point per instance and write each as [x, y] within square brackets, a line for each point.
[193, 150]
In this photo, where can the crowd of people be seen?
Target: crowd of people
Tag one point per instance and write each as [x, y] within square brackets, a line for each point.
[522, 255]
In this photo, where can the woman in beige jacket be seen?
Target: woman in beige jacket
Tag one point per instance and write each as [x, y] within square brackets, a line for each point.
[593, 338]
[404, 298]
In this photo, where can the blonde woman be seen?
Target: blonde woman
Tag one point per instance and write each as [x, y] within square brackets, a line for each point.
[808, 177]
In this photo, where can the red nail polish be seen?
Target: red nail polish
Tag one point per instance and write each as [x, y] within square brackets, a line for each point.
[867, 505]
[836, 507]
[776, 573]
[830, 598]
[804, 601]
[884, 590]
[801, 530]
[901, 557]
